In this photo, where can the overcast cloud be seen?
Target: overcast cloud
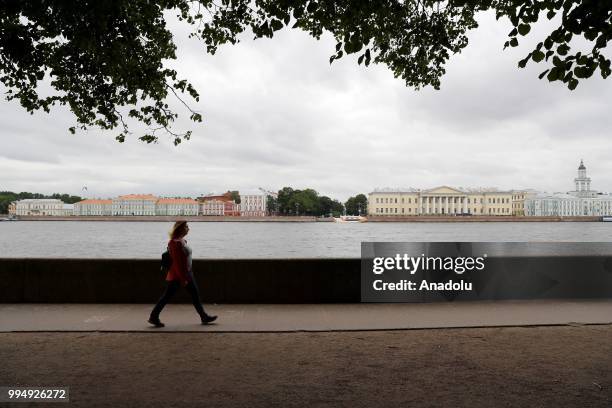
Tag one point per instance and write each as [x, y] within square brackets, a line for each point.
[277, 114]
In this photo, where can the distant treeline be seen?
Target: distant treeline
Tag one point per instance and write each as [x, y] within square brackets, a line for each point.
[308, 202]
[7, 197]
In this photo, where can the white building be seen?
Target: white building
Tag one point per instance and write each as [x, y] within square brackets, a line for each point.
[581, 202]
[176, 206]
[44, 206]
[441, 200]
[134, 204]
[94, 207]
[253, 203]
[212, 207]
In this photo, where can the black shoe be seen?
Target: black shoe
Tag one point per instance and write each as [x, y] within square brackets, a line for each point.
[156, 323]
[208, 319]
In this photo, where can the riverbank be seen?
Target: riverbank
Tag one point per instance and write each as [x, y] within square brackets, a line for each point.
[538, 367]
[418, 218]
[480, 218]
[161, 218]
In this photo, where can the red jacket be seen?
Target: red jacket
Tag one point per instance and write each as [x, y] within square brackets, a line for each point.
[179, 269]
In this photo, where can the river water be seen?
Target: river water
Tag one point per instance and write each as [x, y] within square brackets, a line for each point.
[82, 239]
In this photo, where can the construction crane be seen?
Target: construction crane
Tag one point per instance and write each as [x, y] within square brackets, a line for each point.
[267, 192]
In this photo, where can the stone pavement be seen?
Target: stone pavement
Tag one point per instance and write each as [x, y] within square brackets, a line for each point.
[305, 317]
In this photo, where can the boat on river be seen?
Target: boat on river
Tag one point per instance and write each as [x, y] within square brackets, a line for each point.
[350, 218]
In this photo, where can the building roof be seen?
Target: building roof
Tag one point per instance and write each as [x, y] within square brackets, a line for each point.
[177, 201]
[480, 190]
[581, 167]
[218, 197]
[137, 197]
[95, 201]
[38, 200]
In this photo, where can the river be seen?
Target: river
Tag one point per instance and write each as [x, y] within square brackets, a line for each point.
[83, 239]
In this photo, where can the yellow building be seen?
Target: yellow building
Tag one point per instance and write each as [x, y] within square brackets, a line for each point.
[518, 200]
[442, 200]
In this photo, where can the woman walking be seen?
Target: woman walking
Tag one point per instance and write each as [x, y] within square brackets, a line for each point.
[179, 274]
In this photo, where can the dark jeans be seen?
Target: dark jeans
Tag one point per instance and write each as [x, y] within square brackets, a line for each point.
[173, 286]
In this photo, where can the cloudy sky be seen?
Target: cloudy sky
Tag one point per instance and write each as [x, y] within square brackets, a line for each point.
[277, 114]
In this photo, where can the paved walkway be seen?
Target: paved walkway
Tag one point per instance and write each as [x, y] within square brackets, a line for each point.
[288, 318]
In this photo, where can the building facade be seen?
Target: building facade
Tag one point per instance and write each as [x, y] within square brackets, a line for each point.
[134, 204]
[518, 200]
[442, 200]
[44, 207]
[94, 207]
[582, 201]
[176, 206]
[253, 204]
[221, 205]
[12, 209]
[212, 207]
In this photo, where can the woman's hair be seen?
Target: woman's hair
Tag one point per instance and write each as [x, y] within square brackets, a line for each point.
[177, 229]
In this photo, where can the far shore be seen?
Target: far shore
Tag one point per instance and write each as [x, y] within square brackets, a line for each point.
[419, 218]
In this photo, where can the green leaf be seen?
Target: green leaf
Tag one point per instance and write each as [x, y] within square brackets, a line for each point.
[524, 29]
[522, 63]
[514, 42]
[563, 49]
[573, 83]
[553, 75]
[543, 73]
[537, 56]
[548, 43]
[276, 24]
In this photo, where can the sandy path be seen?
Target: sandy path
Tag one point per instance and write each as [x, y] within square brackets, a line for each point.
[501, 367]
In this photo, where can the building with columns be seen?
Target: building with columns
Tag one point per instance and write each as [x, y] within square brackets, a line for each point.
[176, 206]
[93, 207]
[134, 204]
[221, 204]
[43, 206]
[518, 200]
[442, 200]
[253, 203]
[580, 202]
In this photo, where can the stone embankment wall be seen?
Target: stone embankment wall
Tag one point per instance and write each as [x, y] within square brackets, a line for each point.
[287, 280]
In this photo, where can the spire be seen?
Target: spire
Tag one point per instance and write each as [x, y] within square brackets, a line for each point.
[581, 167]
